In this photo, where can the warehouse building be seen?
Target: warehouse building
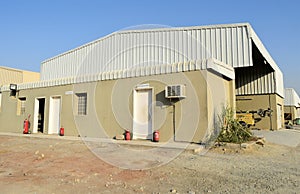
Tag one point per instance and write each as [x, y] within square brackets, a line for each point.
[291, 105]
[175, 80]
[16, 76]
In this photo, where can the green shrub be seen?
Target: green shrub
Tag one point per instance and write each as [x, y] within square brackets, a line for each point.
[231, 130]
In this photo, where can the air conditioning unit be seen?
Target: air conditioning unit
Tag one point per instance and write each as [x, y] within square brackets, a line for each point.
[175, 91]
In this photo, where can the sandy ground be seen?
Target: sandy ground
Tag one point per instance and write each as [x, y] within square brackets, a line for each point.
[43, 165]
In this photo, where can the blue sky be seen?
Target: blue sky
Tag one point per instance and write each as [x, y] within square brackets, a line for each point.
[34, 30]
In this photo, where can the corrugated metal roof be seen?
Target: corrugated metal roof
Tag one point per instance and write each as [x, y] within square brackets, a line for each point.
[230, 43]
[291, 98]
[213, 64]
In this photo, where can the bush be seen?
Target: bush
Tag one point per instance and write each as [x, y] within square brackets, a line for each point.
[231, 130]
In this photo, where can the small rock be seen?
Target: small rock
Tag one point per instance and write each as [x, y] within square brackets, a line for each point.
[76, 180]
[173, 191]
[263, 139]
[106, 185]
[37, 152]
[42, 155]
[191, 192]
[244, 145]
[260, 142]
[198, 150]
[119, 137]
[24, 174]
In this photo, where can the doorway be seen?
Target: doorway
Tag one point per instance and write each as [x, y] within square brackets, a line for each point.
[39, 115]
[142, 113]
[54, 115]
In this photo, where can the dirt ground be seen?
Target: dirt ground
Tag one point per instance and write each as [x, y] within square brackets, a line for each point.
[42, 165]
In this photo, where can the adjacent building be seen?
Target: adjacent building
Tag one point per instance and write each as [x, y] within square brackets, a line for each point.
[17, 76]
[291, 105]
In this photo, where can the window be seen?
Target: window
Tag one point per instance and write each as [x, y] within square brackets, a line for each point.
[81, 103]
[21, 106]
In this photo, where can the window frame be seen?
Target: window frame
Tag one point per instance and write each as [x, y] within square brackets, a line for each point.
[81, 103]
[21, 106]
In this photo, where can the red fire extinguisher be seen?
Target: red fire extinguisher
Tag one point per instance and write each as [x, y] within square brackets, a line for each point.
[26, 126]
[62, 131]
[127, 135]
[156, 136]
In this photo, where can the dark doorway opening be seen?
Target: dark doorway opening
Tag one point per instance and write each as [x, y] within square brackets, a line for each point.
[41, 115]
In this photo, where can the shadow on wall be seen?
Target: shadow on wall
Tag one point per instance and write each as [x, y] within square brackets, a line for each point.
[161, 100]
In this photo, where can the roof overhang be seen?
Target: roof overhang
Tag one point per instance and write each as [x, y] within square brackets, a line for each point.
[269, 60]
[220, 67]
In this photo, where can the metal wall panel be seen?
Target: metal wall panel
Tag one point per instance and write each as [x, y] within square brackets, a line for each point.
[259, 79]
[123, 50]
[8, 76]
[278, 76]
[291, 97]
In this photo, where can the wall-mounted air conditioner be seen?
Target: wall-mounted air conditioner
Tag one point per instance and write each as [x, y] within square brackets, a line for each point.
[175, 91]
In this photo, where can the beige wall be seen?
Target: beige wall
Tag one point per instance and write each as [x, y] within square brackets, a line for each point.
[255, 102]
[194, 115]
[110, 106]
[11, 122]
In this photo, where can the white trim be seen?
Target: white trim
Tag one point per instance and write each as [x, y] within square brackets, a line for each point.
[53, 114]
[36, 113]
[210, 63]
[136, 123]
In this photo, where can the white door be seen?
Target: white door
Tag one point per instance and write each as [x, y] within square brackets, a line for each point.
[36, 116]
[54, 115]
[142, 114]
[279, 116]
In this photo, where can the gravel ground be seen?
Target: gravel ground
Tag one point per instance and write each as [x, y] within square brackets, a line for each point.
[41, 165]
